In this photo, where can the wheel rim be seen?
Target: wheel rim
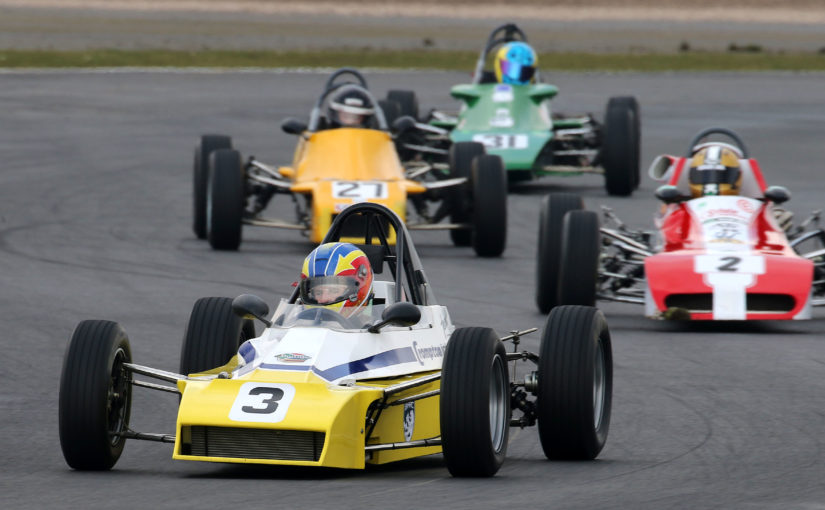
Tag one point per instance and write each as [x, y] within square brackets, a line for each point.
[498, 407]
[117, 403]
[598, 385]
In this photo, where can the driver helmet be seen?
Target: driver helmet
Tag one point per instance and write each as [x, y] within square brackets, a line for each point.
[515, 63]
[350, 107]
[714, 170]
[337, 276]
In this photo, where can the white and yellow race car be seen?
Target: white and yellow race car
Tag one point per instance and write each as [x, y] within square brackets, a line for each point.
[316, 388]
[336, 166]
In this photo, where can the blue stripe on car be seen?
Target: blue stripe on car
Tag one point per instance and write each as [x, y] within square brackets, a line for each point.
[380, 360]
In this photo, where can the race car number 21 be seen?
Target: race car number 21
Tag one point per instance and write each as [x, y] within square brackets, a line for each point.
[262, 402]
[359, 191]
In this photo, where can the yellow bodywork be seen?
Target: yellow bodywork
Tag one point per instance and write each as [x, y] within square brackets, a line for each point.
[339, 412]
[366, 157]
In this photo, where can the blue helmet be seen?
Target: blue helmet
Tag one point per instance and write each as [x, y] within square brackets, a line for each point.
[336, 276]
[515, 63]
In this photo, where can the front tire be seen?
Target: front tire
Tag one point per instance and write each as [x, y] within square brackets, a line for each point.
[461, 156]
[575, 383]
[225, 205]
[475, 403]
[579, 268]
[95, 395]
[200, 178]
[489, 184]
[212, 335]
[548, 259]
[620, 150]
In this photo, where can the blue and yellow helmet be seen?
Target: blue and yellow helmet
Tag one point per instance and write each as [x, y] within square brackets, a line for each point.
[515, 63]
[337, 276]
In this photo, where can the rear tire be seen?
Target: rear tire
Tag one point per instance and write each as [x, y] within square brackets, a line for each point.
[461, 156]
[213, 335]
[489, 184]
[95, 395]
[391, 110]
[620, 150]
[200, 178]
[548, 259]
[407, 102]
[575, 383]
[475, 403]
[225, 205]
[579, 268]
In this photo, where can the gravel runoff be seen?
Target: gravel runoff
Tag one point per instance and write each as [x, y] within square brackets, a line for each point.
[594, 25]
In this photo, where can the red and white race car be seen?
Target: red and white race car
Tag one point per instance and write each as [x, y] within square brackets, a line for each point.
[717, 257]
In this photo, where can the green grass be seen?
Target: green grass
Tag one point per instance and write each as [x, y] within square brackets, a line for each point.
[422, 59]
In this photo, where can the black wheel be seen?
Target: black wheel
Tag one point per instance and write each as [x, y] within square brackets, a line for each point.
[461, 156]
[489, 185]
[406, 100]
[548, 258]
[580, 245]
[620, 149]
[575, 383]
[200, 178]
[391, 110]
[637, 147]
[475, 403]
[225, 200]
[213, 335]
[95, 395]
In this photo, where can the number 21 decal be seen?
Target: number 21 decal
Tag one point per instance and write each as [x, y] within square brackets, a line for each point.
[262, 402]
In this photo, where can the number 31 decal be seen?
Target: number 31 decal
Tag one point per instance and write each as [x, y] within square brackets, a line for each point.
[262, 402]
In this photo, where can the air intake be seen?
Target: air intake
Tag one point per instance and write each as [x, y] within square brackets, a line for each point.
[244, 443]
[756, 303]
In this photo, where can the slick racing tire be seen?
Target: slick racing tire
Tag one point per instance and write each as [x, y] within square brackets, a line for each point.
[475, 403]
[391, 109]
[489, 185]
[620, 149]
[225, 200]
[95, 395]
[200, 178]
[548, 258]
[580, 244]
[460, 160]
[407, 102]
[575, 383]
[213, 335]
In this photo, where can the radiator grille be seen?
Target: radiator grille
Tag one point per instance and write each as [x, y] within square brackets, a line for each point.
[237, 442]
[756, 303]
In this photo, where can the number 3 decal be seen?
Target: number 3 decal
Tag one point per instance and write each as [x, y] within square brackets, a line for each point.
[262, 402]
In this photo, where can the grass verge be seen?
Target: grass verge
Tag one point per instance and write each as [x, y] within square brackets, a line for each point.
[422, 59]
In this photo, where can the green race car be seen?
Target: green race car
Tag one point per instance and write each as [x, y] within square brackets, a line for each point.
[516, 123]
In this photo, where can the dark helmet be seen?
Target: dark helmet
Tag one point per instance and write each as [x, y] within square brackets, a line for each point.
[350, 107]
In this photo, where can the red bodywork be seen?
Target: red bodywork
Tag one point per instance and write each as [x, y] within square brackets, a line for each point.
[725, 258]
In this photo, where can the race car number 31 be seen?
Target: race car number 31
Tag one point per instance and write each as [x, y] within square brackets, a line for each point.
[502, 141]
[262, 402]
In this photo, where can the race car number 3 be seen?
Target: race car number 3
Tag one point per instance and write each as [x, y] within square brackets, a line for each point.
[359, 191]
[262, 402]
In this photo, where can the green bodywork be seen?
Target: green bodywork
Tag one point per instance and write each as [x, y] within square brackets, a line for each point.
[512, 121]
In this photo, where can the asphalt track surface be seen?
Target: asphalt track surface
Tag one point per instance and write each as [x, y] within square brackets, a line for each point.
[95, 223]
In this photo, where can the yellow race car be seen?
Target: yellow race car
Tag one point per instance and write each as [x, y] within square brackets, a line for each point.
[317, 388]
[346, 154]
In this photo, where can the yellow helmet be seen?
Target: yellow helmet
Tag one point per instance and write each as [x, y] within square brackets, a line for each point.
[714, 170]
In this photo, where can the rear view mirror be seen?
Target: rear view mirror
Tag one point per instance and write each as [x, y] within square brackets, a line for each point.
[398, 314]
[248, 306]
[777, 194]
[293, 126]
[670, 194]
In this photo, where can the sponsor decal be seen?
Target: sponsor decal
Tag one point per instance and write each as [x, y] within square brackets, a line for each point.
[292, 357]
[503, 94]
[409, 420]
[745, 205]
[428, 353]
[502, 119]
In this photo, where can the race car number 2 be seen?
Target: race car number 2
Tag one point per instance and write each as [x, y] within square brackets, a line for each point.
[262, 402]
[359, 191]
[502, 141]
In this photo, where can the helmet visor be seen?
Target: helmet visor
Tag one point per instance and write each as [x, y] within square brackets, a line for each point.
[327, 290]
[516, 72]
[717, 175]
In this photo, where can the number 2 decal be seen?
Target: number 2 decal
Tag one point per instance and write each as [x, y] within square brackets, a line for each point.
[730, 264]
[262, 402]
